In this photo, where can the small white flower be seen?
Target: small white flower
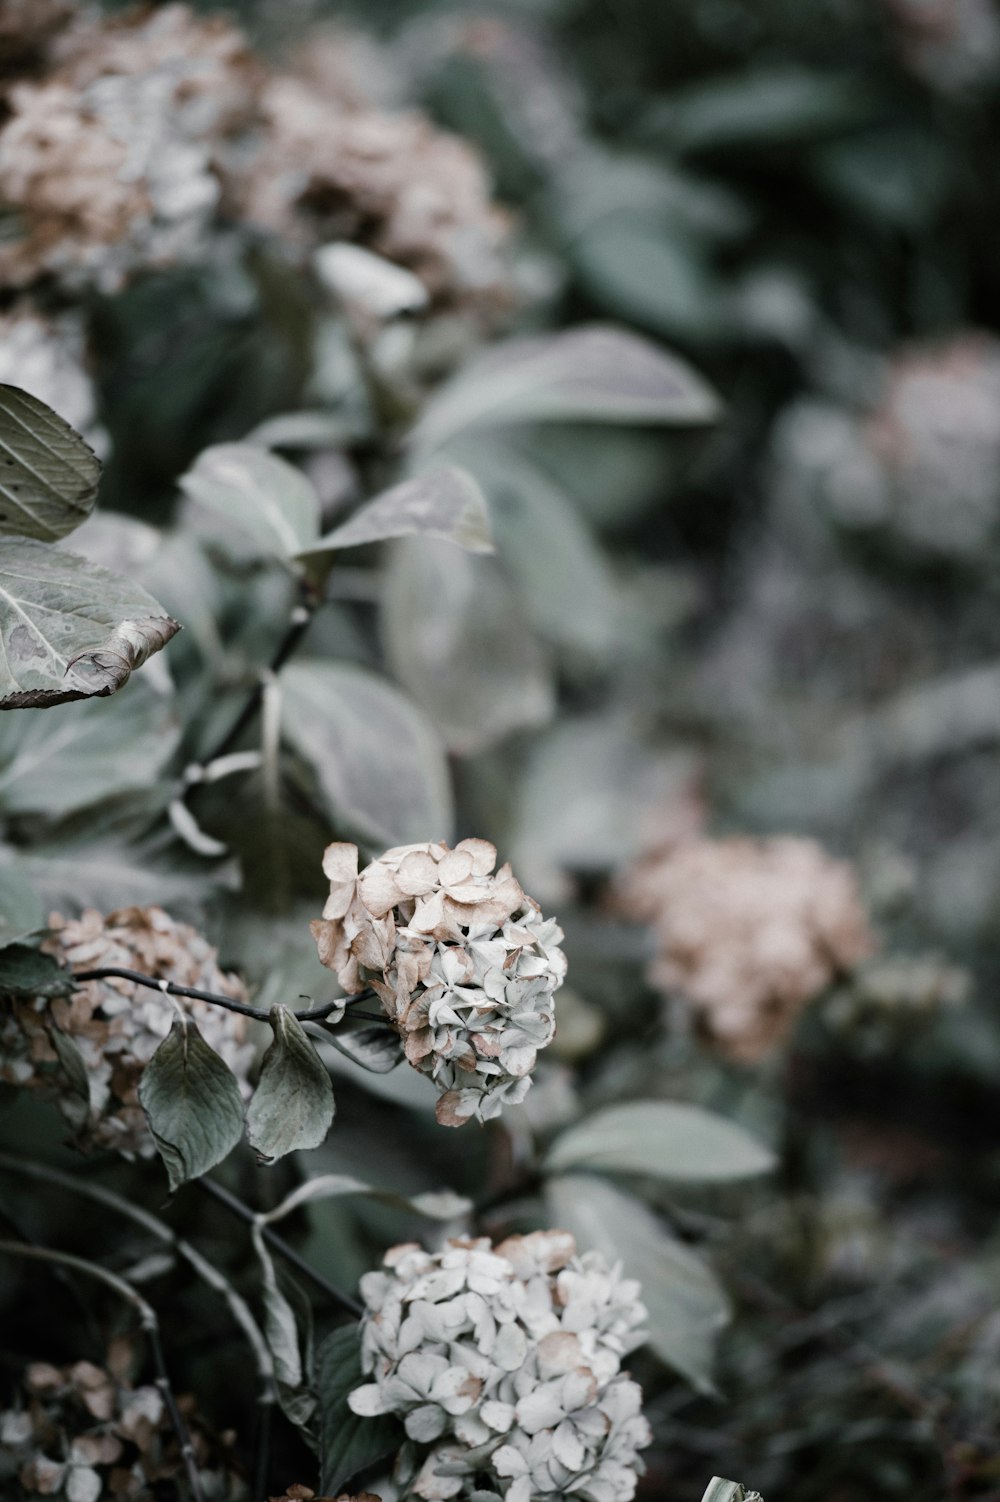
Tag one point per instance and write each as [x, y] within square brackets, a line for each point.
[506, 1361]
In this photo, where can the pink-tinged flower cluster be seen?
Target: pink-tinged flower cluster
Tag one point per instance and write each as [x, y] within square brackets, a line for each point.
[505, 1365]
[464, 963]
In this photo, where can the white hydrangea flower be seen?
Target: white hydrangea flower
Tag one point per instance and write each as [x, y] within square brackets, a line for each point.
[464, 963]
[505, 1365]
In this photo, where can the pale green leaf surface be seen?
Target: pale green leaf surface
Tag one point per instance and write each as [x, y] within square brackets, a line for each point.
[596, 372]
[663, 1139]
[21, 911]
[686, 1306]
[192, 1103]
[292, 1107]
[269, 500]
[68, 628]
[48, 474]
[445, 503]
[441, 1204]
[379, 763]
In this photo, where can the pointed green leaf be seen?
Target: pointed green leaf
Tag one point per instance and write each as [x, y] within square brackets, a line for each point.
[686, 1306]
[595, 373]
[70, 629]
[349, 1444]
[72, 1064]
[289, 1335]
[48, 475]
[21, 911]
[663, 1139]
[292, 1107]
[264, 497]
[192, 1103]
[729, 1491]
[379, 764]
[436, 1204]
[27, 972]
[445, 503]
[374, 1047]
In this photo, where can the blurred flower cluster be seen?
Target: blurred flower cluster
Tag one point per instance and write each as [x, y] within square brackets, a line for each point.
[464, 963]
[114, 1026]
[84, 1432]
[748, 932]
[506, 1362]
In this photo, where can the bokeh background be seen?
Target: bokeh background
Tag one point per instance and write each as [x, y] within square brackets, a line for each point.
[728, 694]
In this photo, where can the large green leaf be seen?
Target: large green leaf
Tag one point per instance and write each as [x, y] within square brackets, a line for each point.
[259, 494]
[292, 1107]
[378, 762]
[597, 373]
[70, 629]
[90, 752]
[663, 1139]
[48, 475]
[445, 503]
[21, 911]
[456, 636]
[766, 106]
[686, 1306]
[349, 1444]
[107, 873]
[192, 1102]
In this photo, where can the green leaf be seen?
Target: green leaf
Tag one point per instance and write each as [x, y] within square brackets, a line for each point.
[292, 1107]
[349, 1444]
[92, 751]
[729, 1491]
[289, 1336]
[597, 373]
[70, 629]
[664, 1139]
[456, 636]
[107, 874]
[761, 108]
[374, 1047]
[379, 764]
[27, 972]
[686, 1306]
[48, 475]
[438, 1204]
[192, 1103]
[265, 498]
[72, 1064]
[445, 503]
[21, 911]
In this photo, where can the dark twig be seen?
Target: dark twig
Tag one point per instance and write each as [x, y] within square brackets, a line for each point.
[151, 1329]
[278, 1244]
[315, 1014]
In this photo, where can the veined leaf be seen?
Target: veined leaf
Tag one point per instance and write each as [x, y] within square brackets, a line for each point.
[192, 1103]
[663, 1139]
[261, 495]
[597, 373]
[292, 1107]
[445, 503]
[27, 972]
[70, 629]
[440, 1204]
[729, 1491]
[349, 1444]
[379, 764]
[48, 475]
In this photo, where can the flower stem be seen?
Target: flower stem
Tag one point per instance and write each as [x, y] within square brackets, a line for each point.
[169, 988]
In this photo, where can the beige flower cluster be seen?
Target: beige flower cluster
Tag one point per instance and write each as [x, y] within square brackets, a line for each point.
[505, 1363]
[918, 467]
[115, 1026]
[151, 130]
[748, 932]
[464, 963]
[83, 1433]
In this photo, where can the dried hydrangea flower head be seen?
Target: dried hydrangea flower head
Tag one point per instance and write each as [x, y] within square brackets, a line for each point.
[464, 963]
[83, 1432]
[109, 158]
[506, 1362]
[115, 1025]
[748, 932]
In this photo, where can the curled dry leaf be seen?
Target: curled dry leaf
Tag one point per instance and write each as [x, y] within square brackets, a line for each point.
[70, 629]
